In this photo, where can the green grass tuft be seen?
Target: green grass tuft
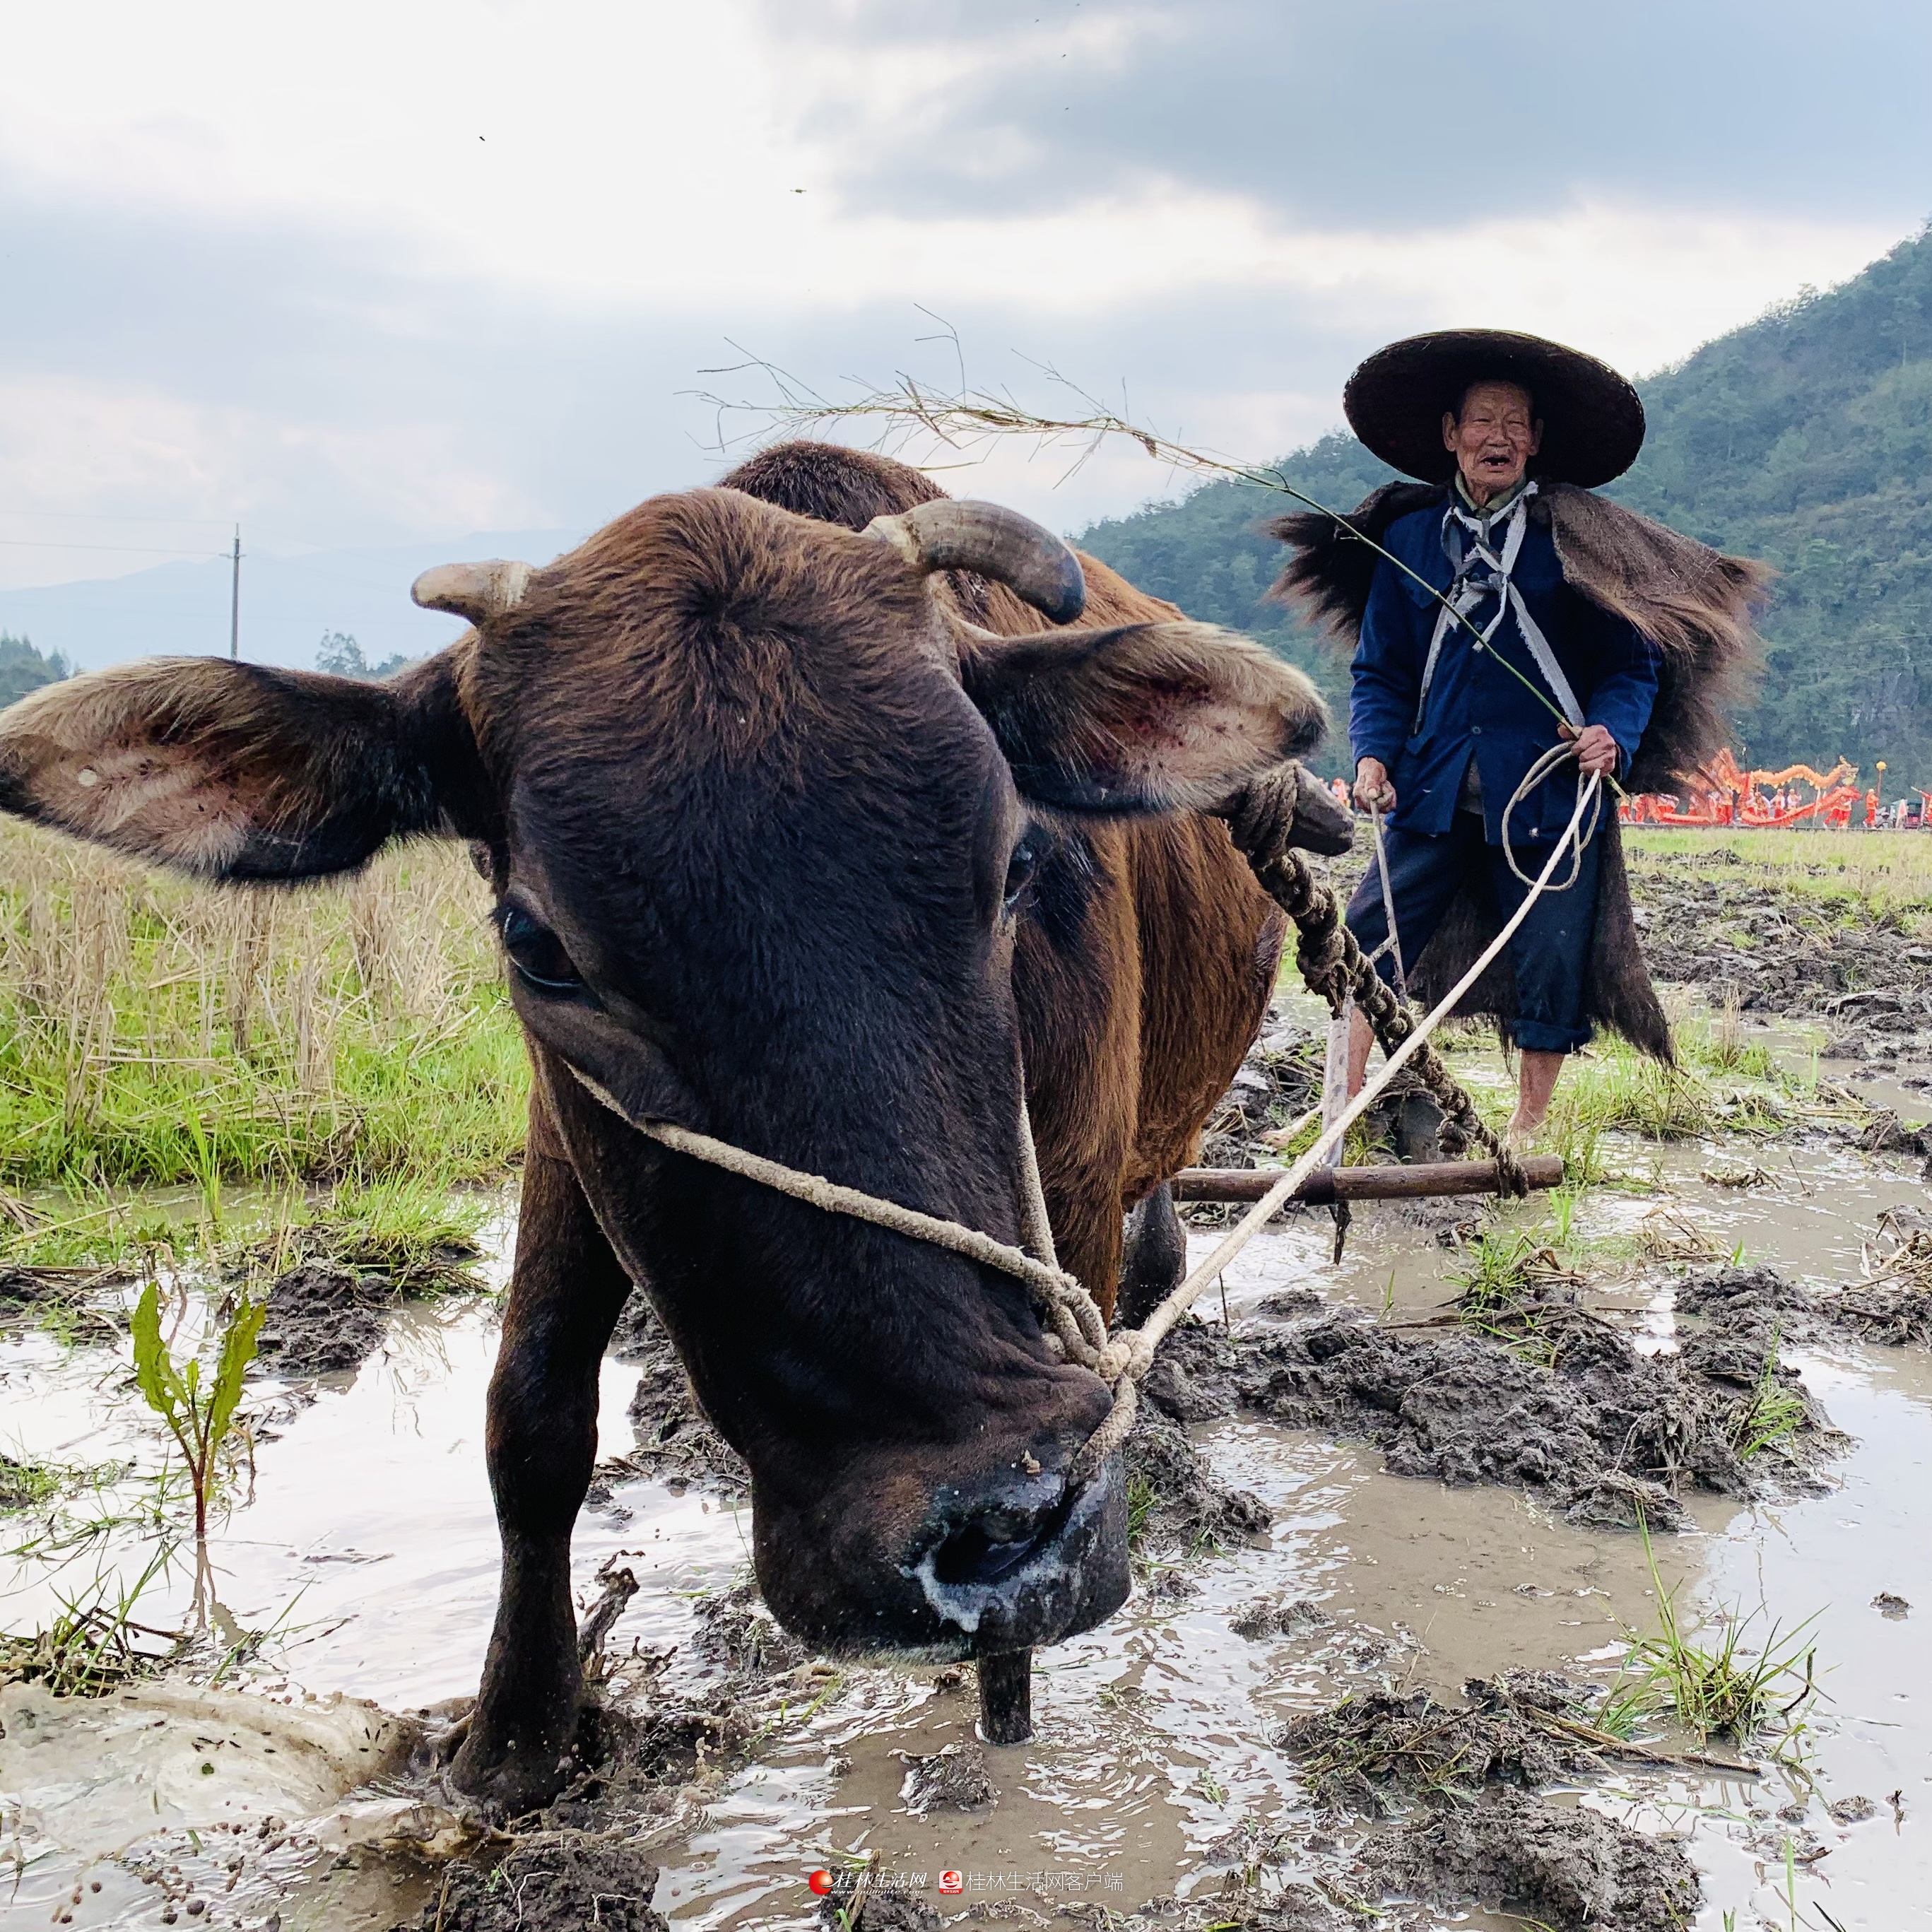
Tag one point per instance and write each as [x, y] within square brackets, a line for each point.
[26, 1485]
[1728, 1688]
[1771, 1413]
[94, 1645]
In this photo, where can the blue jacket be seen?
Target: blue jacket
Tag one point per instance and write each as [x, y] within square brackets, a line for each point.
[1475, 707]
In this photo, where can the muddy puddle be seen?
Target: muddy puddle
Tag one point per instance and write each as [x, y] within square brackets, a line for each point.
[349, 1591]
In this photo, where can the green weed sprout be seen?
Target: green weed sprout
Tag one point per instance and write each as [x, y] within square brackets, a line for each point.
[90, 1649]
[1729, 1690]
[1772, 1413]
[198, 1420]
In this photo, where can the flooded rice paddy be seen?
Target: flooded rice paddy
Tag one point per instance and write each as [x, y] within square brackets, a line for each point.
[283, 1774]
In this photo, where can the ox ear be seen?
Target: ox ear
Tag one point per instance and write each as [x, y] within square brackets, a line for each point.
[237, 771]
[1141, 717]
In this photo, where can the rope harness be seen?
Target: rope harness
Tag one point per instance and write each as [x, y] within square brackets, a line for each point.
[1260, 818]
[1480, 570]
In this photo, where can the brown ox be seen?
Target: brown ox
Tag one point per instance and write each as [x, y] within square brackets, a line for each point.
[785, 851]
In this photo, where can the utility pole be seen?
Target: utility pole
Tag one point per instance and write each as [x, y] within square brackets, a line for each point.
[235, 601]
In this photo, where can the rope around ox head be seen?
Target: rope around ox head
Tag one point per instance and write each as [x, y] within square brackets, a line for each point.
[1073, 1318]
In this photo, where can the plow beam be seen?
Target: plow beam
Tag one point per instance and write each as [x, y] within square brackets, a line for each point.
[1330, 1184]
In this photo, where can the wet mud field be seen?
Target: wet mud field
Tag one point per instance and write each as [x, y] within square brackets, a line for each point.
[1410, 1530]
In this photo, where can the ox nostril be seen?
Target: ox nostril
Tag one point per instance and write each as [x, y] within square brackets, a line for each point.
[991, 1545]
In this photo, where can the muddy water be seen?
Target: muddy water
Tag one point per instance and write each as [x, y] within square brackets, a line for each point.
[367, 1540]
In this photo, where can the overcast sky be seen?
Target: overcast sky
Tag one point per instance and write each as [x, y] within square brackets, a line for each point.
[379, 273]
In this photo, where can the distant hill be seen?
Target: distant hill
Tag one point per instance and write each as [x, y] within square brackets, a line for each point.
[23, 669]
[1804, 438]
[291, 606]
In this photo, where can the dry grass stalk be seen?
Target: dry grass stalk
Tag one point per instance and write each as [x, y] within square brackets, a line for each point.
[969, 419]
[1664, 1235]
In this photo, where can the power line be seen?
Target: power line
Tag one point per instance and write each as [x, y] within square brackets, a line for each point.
[118, 549]
[106, 516]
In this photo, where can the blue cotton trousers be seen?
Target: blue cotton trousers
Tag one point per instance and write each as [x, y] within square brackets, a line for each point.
[1550, 951]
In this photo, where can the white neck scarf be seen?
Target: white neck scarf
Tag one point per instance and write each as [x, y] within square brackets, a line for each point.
[1482, 570]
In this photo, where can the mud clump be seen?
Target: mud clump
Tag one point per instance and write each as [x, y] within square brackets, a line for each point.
[886, 1910]
[1779, 951]
[323, 1318]
[1274, 1086]
[1277, 1084]
[675, 1442]
[1741, 1299]
[736, 1631]
[1266, 1618]
[630, 1760]
[953, 1780]
[1565, 1867]
[1893, 1309]
[1176, 1504]
[1569, 1411]
[550, 1883]
[1365, 1752]
[57, 1297]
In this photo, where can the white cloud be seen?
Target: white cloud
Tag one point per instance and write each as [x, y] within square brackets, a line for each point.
[455, 262]
[98, 480]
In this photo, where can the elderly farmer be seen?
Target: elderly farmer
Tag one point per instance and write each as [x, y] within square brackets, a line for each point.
[1515, 611]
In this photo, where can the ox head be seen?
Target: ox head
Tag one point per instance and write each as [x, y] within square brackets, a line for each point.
[763, 814]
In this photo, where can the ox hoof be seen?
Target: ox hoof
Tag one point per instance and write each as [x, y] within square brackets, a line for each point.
[507, 1781]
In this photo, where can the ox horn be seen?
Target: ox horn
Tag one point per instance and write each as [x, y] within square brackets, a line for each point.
[477, 591]
[1001, 544]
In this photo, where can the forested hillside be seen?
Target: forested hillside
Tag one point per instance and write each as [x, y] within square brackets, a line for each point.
[1805, 439]
[22, 668]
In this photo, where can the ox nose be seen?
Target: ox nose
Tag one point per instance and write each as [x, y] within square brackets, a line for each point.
[1022, 1558]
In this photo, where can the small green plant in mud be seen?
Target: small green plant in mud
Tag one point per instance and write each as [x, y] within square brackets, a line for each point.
[1516, 1286]
[1771, 1413]
[1718, 1043]
[199, 1419]
[25, 1484]
[1143, 1499]
[418, 1233]
[1730, 1688]
[93, 1646]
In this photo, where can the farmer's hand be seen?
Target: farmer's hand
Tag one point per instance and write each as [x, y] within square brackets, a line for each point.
[1596, 751]
[1373, 792]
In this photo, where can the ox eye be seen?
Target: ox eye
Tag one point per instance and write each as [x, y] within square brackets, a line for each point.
[1020, 869]
[538, 954]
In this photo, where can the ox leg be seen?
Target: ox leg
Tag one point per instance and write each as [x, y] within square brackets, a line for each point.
[1155, 1260]
[564, 1297]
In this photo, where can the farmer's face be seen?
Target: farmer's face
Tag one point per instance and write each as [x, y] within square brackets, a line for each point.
[1493, 438]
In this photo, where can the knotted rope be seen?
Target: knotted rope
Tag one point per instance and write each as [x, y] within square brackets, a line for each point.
[1260, 819]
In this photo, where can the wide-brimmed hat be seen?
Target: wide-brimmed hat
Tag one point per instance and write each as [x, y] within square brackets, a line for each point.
[1592, 420]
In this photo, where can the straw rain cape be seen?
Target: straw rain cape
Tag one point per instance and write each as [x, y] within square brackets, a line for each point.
[1693, 603]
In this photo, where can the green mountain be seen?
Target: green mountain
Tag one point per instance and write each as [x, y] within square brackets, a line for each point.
[1805, 439]
[22, 669]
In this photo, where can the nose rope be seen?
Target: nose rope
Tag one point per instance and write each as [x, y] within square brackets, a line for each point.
[1076, 1330]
